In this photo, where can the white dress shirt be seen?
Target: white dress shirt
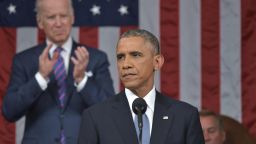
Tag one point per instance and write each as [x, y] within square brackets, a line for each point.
[150, 100]
[67, 46]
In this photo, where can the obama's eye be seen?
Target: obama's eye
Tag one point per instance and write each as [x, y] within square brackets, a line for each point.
[119, 56]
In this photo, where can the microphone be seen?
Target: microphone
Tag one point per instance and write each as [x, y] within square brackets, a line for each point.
[139, 107]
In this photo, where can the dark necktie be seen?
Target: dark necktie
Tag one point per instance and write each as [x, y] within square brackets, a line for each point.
[145, 129]
[60, 76]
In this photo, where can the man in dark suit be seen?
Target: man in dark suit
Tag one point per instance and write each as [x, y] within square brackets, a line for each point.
[52, 83]
[112, 122]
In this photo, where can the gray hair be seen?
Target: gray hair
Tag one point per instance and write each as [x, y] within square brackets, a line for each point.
[146, 35]
[38, 6]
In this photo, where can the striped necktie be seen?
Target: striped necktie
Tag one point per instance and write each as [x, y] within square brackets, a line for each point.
[60, 76]
[145, 129]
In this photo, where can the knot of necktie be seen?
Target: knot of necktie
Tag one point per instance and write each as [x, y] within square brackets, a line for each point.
[58, 49]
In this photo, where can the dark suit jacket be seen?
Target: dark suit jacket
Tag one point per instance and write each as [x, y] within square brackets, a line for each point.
[111, 123]
[44, 118]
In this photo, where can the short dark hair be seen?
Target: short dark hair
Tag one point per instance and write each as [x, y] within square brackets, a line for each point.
[207, 113]
[146, 35]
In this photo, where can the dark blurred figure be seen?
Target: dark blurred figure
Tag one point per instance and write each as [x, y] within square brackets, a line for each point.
[236, 133]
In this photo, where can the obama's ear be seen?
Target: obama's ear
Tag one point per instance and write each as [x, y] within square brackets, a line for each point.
[158, 62]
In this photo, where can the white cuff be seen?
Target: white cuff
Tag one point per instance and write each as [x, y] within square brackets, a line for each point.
[41, 81]
[80, 86]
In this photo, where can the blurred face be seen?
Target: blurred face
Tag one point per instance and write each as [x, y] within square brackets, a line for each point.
[212, 133]
[136, 63]
[55, 17]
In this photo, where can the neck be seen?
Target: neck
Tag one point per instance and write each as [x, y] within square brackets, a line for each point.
[142, 92]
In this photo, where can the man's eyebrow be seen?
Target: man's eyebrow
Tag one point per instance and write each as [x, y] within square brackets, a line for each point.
[120, 54]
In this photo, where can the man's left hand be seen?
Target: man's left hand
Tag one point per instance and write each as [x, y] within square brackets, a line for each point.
[80, 62]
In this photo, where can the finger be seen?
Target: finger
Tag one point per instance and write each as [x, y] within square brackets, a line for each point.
[55, 56]
[46, 51]
[78, 55]
[83, 51]
[73, 59]
[83, 54]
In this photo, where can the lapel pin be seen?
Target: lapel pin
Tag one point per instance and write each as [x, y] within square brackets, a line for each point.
[165, 117]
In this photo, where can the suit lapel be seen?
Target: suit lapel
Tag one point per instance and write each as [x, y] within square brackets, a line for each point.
[161, 121]
[70, 79]
[122, 117]
[52, 86]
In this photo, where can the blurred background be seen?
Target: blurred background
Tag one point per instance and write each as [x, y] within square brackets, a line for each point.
[209, 48]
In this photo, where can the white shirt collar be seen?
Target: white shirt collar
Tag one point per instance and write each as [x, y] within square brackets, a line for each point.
[67, 46]
[150, 100]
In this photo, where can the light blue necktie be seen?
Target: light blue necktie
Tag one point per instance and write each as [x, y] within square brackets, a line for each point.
[145, 129]
[60, 76]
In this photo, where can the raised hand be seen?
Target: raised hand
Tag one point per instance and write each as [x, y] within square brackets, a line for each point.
[45, 63]
[80, 63]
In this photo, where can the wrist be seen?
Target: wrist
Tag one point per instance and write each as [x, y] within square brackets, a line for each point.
[78, 79]
[45, 76]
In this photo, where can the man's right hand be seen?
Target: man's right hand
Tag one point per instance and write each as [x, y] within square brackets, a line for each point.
[45, 63]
